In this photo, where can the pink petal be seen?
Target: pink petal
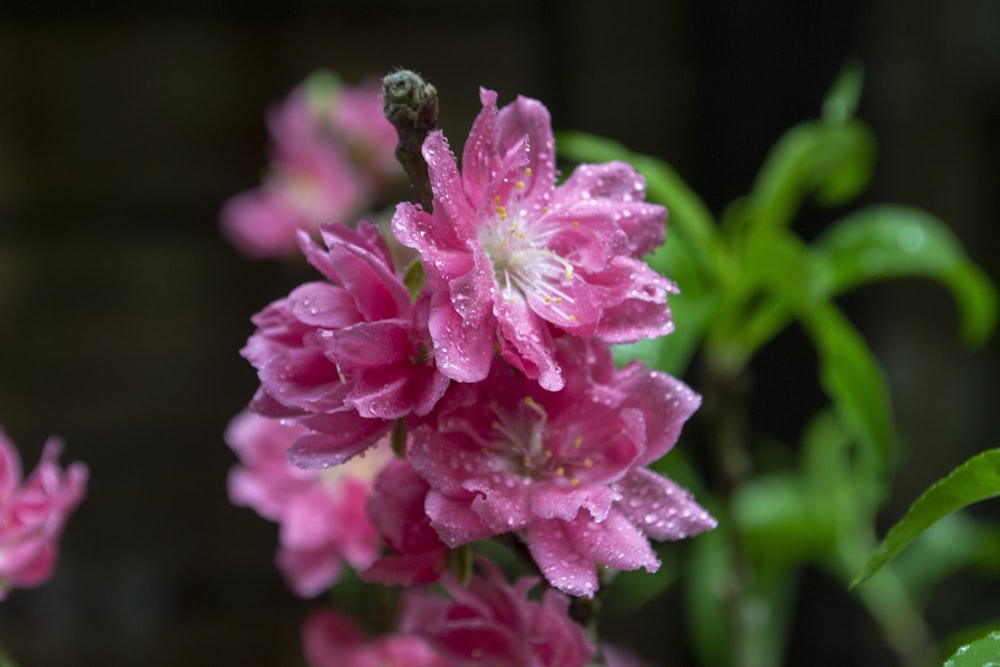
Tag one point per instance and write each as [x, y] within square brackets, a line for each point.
[479, 156]
[661, 508]
[556, 556]
[530, 118]
[323, 305]
[614, 542]
[367, 345]
[551, 502]
[454, 520]
[339, 437]
[529, 340]
[624, 189]
[446, 182]
[635, 300]
[463, 353]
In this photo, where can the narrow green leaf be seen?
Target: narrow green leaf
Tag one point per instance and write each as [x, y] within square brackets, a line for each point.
[852, 379]
[833, 160]
[975, 480]
[842, 100]
[885, 241]
[983, 652]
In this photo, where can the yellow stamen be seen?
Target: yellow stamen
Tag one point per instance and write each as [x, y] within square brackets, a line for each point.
[578, 441]
[587, 463]
[502, 211]
[527, 171]
[560, 471]
[576, 223]
[519, 185]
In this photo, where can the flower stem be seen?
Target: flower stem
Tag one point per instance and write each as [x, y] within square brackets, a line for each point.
[411, 105]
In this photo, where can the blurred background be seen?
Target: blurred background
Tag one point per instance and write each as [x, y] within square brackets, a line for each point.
[125, 126]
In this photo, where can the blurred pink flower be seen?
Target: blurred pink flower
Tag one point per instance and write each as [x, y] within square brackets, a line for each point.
[332, 157]
[492, 623]
[566, 468]
[330, 640]
[321, 513]
[33, 513]
[344, 358]
[517, 260]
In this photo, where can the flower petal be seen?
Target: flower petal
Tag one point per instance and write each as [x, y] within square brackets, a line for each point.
[661, 508]
[558, 559]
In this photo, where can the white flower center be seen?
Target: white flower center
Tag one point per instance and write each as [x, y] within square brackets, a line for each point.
[523, 264]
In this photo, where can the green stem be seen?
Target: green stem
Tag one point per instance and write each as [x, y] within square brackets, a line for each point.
[725, 385]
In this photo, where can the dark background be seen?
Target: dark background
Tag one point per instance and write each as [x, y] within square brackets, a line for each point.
[125, 126]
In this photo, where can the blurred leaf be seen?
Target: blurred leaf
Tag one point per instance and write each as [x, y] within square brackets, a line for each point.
[955, 542]
[884, 241]
[792, 271]
[852, 379]
[842, 100]
[779, 522]
[975, 480]
[834, 160]
[708, 571]
[983, 652]
[632, 589]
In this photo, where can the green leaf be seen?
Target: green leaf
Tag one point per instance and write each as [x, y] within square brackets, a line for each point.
[779, 523]
[792, 272]
[853, 380]
[983, 652]
[834, 160]
[842, 100]
[885, 241]
[975, 480]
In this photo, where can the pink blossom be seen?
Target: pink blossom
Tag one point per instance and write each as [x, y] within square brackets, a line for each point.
[330, 640]
[308, 185]
[518, 260]
[344, 358]
[321, 513]
[492, 623]
[396, 508]
[565, 468]
[332, 157]
[33, 513]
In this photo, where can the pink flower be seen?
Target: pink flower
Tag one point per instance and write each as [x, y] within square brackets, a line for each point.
[308, 185]
[369, 138]
[566, 468]
[347, 357]
[517, 260]
[396, 508]
[321, 513]
[330, 640]
[33, 513]
[492, 623]
[332, 156]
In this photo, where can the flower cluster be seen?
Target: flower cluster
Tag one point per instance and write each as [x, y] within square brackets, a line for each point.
[487, 622]
[331, 159]
[489, 363]
[33, 512]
